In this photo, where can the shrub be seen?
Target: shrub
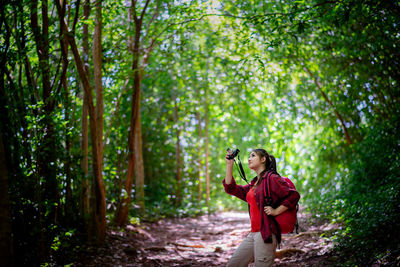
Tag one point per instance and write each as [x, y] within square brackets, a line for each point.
[370, 206]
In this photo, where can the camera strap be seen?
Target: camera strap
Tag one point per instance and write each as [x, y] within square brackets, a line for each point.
[240, 169]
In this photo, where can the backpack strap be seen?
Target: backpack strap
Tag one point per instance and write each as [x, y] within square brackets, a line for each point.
[266, 188]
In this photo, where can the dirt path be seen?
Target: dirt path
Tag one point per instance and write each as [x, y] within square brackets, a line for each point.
[205, 241]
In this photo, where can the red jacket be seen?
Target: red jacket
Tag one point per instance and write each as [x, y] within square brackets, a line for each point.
[281, 194]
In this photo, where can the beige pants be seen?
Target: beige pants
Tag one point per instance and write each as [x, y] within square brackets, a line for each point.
[254, 248]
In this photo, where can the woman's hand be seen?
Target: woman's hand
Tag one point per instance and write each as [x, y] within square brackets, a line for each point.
[275, 212]
[270, 211]
[229, 162]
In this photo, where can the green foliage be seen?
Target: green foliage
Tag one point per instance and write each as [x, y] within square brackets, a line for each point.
[370, 198]
[271, 74]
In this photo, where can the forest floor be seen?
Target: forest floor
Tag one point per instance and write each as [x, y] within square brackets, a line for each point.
[207, 240]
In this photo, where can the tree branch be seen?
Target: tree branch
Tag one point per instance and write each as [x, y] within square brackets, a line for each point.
[183, 22]
[144, 10]
[155, 14]
[148, 51]
[233, 16]
[338, 116]
[76, 16]
[133, 8]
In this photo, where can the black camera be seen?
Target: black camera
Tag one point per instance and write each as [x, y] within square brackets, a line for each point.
[232, 154]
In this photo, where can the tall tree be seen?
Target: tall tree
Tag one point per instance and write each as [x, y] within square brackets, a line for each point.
[178, 176]
[135, 131]
[99, 201]
[135, 153]
[98, 218]
[85, 195]
[6, 240]
[200, 154]
[206, 144]
[97, 70]
[68, 139]
[47, 157]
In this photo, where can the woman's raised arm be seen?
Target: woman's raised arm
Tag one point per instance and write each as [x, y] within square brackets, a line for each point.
[229, 170]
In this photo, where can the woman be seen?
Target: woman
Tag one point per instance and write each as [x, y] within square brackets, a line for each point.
[261, 243]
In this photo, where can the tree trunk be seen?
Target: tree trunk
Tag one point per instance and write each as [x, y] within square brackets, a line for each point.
[99, 216]
[200, 155]
[85, 195]
[21, 44]
[6, 240]
[98, 189]
[99, 211]
[136, 116]
[121, 214]
[85, 131]
[46, 158]
[177, 155]
[97, 64]
[135, 154]
[68, 143]
[206, 147]
[42, 46]
[68, 206]
[139, 168]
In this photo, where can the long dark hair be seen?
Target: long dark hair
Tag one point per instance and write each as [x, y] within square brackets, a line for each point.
[270, 163]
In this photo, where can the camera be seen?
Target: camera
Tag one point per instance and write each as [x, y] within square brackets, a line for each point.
[232, 154]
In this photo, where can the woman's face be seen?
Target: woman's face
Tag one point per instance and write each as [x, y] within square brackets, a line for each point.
[255, 161]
